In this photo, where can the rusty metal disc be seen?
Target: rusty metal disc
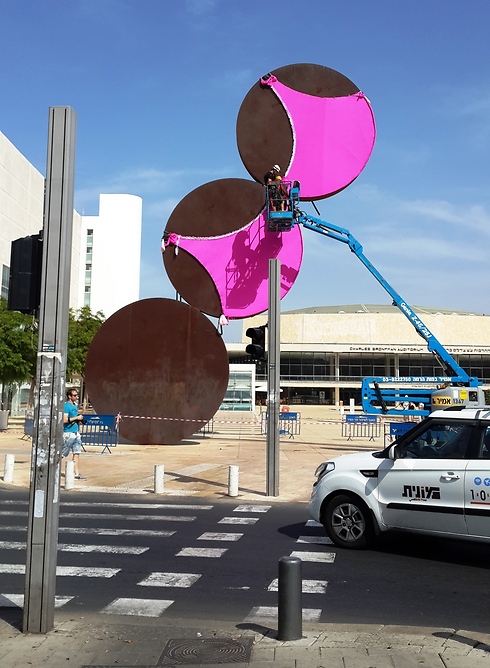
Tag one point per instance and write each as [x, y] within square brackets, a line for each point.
[162, 365]
[212, 210]
[264, 135]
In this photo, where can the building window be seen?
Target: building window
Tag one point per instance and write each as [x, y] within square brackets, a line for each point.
[5, 281]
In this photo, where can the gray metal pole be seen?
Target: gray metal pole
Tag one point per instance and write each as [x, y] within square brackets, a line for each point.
[42, 529]
[289, 590]
[273, 378]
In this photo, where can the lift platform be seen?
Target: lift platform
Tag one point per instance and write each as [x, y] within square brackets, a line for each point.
[282, 199]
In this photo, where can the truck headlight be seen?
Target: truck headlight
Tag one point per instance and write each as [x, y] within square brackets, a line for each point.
[324, 468]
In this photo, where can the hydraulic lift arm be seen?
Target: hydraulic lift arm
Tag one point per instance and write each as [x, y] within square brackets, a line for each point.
[383, 400]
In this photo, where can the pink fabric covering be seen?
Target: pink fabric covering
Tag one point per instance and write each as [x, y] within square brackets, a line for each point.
[333, 138]
[238, 263]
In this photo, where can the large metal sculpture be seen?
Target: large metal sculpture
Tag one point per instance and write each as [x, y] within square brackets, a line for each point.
[161, 363]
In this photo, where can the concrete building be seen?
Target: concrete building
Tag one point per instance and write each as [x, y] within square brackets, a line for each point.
[326, 351]
[21, 202]
[106, 248]
[110, 251]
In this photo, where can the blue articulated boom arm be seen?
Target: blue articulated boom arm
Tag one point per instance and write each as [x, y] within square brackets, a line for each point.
[456, 375]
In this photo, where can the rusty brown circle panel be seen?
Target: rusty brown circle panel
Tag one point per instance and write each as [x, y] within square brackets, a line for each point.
[162, 365]
[217, 208]
[192, 281]
[263, 130]
[214, 209]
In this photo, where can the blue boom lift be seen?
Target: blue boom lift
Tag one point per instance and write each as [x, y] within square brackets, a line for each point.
[458, 388]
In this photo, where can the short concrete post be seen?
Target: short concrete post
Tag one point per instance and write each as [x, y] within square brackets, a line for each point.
[159, 483]
[290, 613]
[8, 471]
[233, 481]
[70, 475]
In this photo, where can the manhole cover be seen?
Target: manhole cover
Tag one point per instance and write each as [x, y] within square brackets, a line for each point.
[188, 652]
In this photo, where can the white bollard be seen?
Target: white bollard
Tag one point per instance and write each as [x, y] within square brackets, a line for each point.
[233, 481]
[159, 480]
[70, 475]
[352, 406]
[8, 471]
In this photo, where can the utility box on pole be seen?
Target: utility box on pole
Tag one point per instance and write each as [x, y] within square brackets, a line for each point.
[25, 274]
[42, 528]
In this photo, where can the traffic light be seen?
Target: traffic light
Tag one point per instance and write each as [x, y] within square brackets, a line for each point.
[256, 349]
[25, 274]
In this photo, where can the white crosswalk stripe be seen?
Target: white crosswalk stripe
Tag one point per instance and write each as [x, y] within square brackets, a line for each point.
[109, 549]
[269, 613]
[17, 600]
[138, 506]
[313, 523]
[321, 557]
[170, 579]
[315, 540]
[307, 586]
[239, 520]
[104, 516]
[211, 535]
[248, 508]
[111, 516]
[139, 607]
[117, 532]
[73, 571]
[99, 531]
[201, 552]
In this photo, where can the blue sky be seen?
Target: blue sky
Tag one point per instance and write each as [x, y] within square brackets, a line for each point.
[157, 85]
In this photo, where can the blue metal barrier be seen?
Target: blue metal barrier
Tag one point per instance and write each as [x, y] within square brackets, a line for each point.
[395, 429]
[289, 423]
[28, 425]
[99, 430]
[361, 426]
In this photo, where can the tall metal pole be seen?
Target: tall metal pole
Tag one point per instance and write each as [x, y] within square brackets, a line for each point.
[273, 378]
[42, 529]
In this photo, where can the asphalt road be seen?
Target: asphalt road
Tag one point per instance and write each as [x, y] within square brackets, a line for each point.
[183, 557]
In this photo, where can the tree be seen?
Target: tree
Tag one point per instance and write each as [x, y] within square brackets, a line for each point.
[82, 327]
[19, 343]
[18, 347]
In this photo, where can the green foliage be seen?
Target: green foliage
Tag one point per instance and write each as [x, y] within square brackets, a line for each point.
[18, 345]
[82, 327]
[19, 342]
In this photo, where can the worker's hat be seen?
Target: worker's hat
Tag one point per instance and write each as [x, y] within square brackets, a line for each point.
[276, 168]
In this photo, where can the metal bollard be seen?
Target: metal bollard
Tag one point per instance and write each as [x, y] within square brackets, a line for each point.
[8, 470]
[289, 589]
[70, 475]
[233, 481]
[159, 484]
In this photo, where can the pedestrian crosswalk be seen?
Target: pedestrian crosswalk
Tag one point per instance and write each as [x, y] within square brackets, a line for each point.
[83, 524]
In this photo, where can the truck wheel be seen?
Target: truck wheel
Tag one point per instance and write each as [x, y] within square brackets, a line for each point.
[347, 522]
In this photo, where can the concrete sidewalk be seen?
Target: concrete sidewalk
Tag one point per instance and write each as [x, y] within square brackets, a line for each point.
[110, 642]
[199, 467]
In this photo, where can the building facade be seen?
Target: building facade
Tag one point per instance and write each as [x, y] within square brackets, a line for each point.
[21, 202]
[327, 351]
[106, 249]
[110, 251]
